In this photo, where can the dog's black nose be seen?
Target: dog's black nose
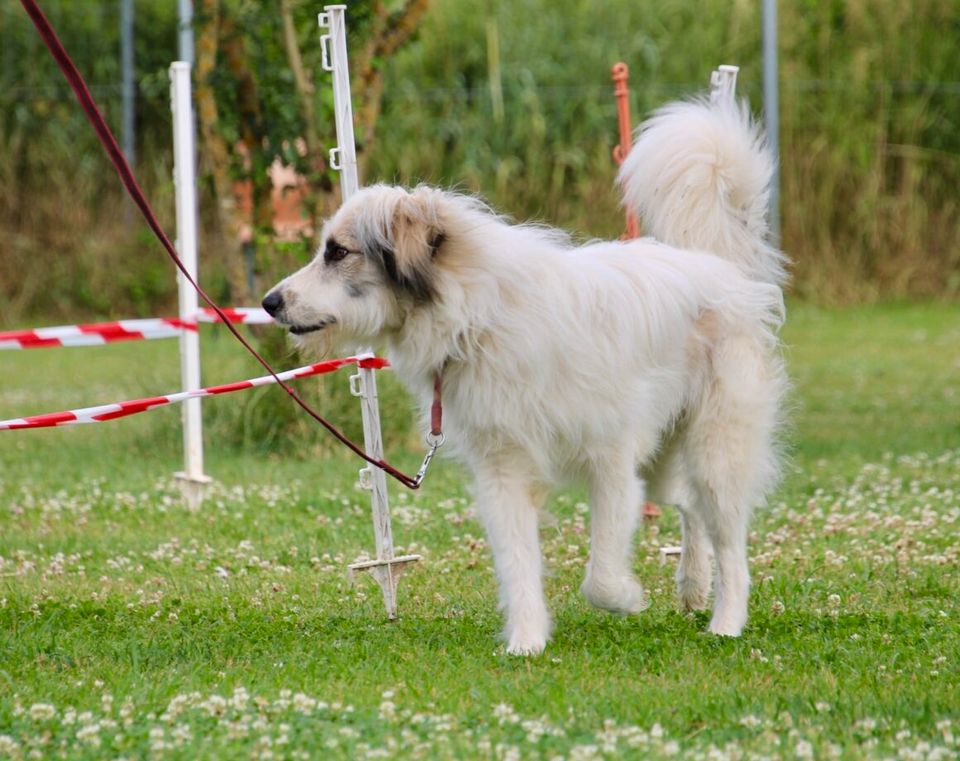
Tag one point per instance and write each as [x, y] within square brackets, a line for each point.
[273, 303]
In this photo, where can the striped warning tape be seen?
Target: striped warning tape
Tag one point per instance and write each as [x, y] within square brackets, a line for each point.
[96, 334]
[244, 315]
[107, 412]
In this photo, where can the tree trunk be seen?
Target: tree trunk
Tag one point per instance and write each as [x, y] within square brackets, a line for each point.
[389, 33]
[216, 153]
[318, 186]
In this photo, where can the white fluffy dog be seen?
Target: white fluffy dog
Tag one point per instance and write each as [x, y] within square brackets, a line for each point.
[601, 363]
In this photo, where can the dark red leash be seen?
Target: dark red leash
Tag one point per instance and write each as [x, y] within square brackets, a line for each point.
[109, 142]
[436, 409]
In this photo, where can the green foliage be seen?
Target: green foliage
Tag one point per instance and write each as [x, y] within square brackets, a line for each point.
[870, 130]
[870, 122]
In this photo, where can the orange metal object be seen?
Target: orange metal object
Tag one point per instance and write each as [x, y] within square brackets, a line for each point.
[621, 92]
[651, 513]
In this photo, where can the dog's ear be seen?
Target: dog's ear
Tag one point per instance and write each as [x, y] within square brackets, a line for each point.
[416, 237]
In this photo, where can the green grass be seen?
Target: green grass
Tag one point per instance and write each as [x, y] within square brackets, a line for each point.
[131, 626]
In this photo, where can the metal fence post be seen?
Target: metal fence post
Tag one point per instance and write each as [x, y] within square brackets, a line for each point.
[771, 109]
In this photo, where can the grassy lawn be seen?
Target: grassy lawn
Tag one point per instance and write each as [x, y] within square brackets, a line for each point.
[133, 627]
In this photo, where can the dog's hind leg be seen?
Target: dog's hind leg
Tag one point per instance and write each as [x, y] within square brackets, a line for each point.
[506, 505]
[670, 484]
[729, 450]
[695, 567]
[616, 493]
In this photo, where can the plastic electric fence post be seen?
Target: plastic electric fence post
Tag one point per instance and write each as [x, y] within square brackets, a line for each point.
[343, 158]
[669, 552]
[723, 84]
[386, 568]
[192, 479]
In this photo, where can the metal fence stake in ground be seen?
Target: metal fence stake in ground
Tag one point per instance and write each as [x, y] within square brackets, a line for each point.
[386, 568]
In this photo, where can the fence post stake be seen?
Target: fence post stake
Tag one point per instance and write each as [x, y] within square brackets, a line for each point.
[386, 568]
[723, 83]
[192, 478]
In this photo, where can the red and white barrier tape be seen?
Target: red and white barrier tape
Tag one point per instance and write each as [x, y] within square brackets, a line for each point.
[243, 315]
[107, 412]
[96, 334]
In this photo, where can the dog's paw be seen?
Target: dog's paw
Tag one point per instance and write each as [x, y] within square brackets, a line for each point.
[692, 593]
[618, 594]
[528, 636]
[526, 646]
[727, 626]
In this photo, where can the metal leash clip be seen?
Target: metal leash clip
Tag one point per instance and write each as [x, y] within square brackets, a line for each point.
[434, 442]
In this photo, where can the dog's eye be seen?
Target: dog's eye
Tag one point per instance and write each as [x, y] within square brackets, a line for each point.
[334, 252]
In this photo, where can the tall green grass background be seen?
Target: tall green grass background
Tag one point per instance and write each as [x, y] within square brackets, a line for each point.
[513, 100]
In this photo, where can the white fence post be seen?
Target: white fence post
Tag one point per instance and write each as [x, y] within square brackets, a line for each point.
[192, 479]
[343, 158]
[723, 83]
[386, 568]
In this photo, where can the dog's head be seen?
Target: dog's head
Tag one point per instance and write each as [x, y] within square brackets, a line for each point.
[376, 264]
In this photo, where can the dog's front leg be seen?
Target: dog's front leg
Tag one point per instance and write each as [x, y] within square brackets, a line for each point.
[506, 505]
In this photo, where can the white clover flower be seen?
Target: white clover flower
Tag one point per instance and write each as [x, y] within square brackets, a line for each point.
[42, 711]
[505, 714]
[239, 699]
[215, 705]
[181, 734]
[304, 704]
[89, 735]
[8, 746]
[584, 752]
[803, 749]
[388, 710]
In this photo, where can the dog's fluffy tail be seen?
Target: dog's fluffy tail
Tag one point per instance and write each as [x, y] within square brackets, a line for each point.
[699, 176]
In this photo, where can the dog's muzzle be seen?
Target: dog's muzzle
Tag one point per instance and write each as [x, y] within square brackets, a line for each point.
[272, 303]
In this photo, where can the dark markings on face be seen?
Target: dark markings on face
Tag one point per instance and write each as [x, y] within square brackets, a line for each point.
[334, 252]
[417, 282]
[356, 290]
